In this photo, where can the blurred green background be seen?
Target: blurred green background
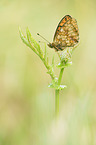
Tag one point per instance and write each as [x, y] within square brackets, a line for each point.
[26, 103]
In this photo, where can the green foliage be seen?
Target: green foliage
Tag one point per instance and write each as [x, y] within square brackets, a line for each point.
[56, 86]
[65, 57]
[30, 42]
[63, 64]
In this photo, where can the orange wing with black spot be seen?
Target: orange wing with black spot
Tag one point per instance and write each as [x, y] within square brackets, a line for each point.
[61, 23]
[67, 33]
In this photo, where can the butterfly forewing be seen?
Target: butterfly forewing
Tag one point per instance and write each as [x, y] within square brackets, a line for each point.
[61, 23]
[67, 34]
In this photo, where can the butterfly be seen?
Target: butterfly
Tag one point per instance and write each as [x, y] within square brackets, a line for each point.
[66, 34]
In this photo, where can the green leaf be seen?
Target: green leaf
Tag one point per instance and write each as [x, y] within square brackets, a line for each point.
[47, 61]
[57, 87]
[45, 53]
[24, 39]
[63, 65]
[53, 61]
[33, 42]
[30, 39]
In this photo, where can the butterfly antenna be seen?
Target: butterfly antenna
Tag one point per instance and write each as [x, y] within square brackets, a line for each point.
[43, 37]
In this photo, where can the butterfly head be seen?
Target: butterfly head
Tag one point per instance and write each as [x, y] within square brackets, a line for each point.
[51, 45]
[56, 46]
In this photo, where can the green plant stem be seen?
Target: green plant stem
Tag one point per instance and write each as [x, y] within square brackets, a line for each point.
[51, 72]
[60, 76]
[57, 94]
[56, 103]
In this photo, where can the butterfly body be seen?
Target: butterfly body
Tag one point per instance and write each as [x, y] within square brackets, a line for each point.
[56, 46]
[66, 35]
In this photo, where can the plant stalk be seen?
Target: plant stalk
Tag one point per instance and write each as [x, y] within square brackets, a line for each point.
[56, 103]
[60, 76]
[57, 94]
